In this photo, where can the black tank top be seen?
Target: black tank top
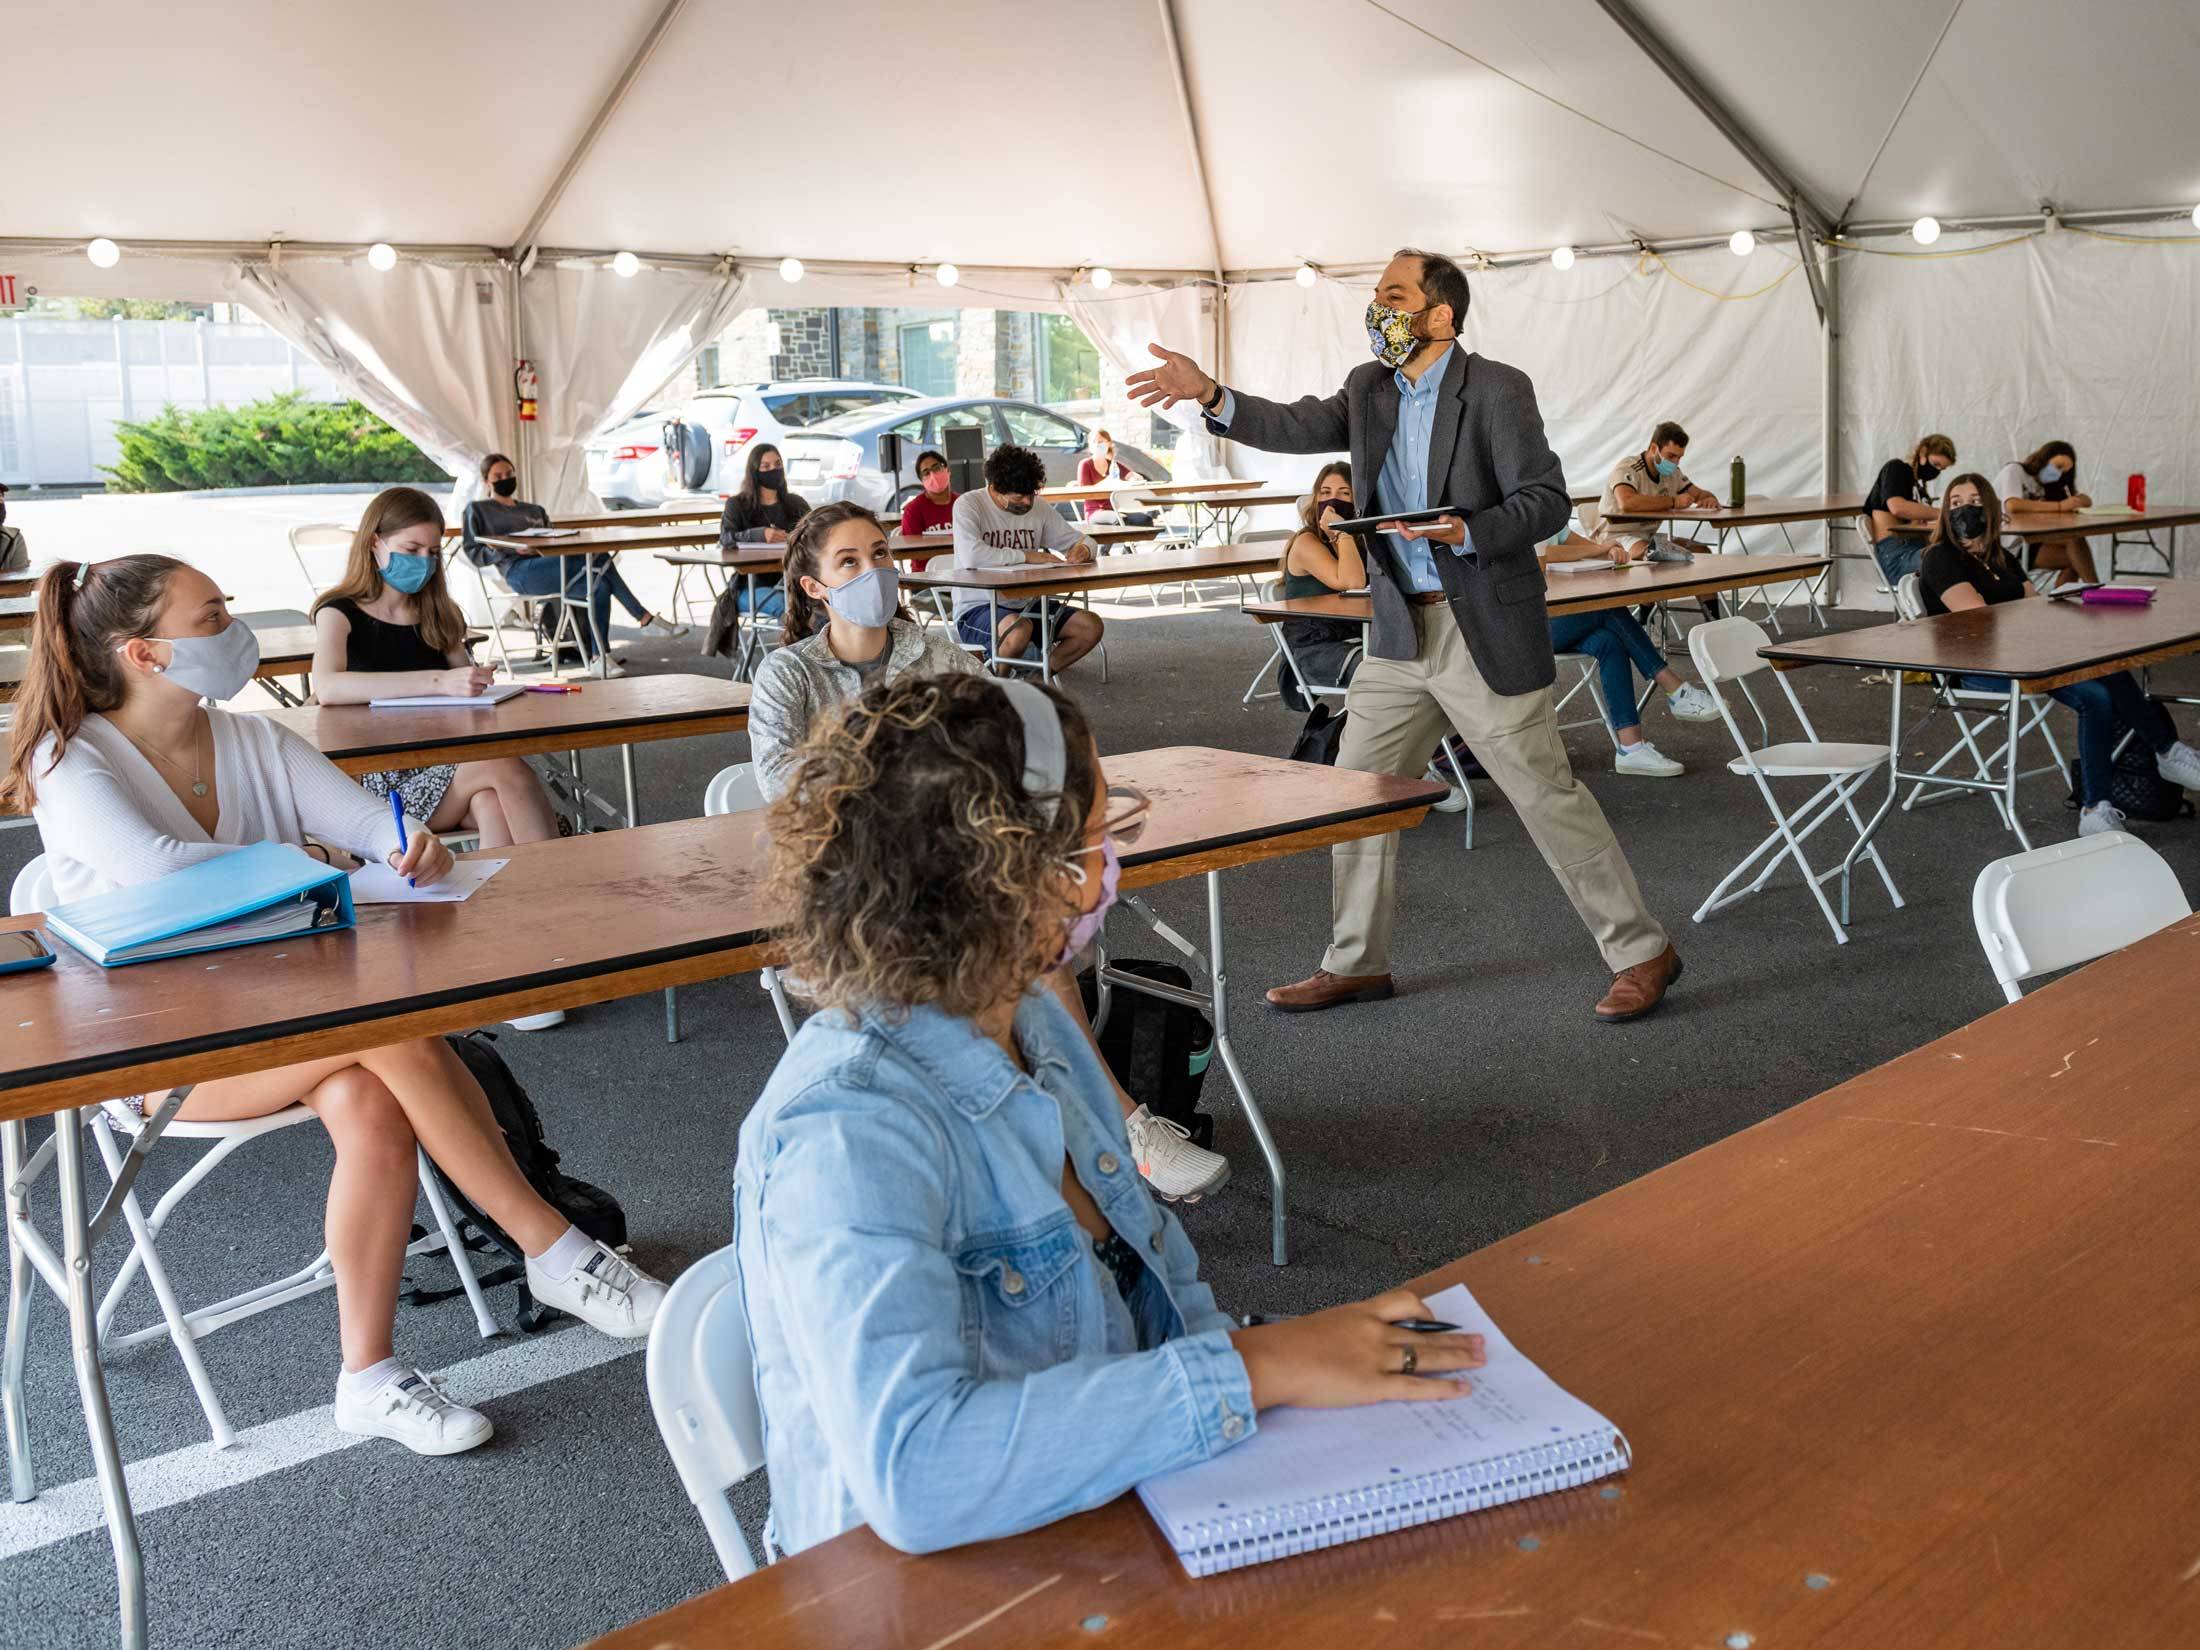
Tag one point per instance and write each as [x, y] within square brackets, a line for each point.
[376, 644]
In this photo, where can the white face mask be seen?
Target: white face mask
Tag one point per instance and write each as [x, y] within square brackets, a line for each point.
[870, 599]
[213, 667]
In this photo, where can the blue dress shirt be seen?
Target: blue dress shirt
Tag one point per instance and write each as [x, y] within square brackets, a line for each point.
[1403, 483]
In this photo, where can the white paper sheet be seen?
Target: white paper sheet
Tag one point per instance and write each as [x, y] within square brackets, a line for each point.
[377, 884]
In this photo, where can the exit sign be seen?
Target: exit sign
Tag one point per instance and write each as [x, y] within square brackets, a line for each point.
[13, 294]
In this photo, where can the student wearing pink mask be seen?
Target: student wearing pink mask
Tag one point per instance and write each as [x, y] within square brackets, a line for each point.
[933, 510]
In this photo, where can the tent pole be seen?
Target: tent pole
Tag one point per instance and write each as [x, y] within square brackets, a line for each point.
[523, 437]
[1829, 412]
[594, 129]
[1637, 28]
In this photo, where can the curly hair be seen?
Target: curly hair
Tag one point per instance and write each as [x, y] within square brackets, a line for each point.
[1016, 471]
[909, 863]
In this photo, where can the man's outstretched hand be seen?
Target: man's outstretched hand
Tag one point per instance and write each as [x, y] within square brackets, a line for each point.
[1177, 378]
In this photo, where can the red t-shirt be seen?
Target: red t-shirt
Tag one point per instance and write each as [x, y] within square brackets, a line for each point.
[926, 514]
[1088, 475]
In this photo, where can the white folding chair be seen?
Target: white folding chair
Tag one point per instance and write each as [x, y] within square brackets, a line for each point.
[33, 891]
[500, 603]
[1991, 717]
[1587, 665]
[2067, 903]
[319, 539]
[735, 790]
[702, 1390]
[1725, 651]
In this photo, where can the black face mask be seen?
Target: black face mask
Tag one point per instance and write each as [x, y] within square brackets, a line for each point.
[1023, 509]
[1331, 506]
[1968, 522]
[770, 478]
[1927, 470]
[505, 488]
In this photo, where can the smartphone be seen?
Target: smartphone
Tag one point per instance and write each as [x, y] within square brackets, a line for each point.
[23, 950]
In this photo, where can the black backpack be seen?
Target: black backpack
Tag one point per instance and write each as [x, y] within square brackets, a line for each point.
[591, 1208]
[1320, 736]
[2136, 785]
[1158, 1050]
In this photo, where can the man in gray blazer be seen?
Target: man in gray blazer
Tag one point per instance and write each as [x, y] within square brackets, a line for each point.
[1431, 426]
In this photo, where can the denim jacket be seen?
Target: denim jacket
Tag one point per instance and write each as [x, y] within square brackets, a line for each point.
[924, 1311]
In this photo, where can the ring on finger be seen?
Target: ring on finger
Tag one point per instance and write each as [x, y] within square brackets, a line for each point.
[1412, 1361]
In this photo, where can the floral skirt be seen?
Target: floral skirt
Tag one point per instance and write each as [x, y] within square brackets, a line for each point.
[421, 790]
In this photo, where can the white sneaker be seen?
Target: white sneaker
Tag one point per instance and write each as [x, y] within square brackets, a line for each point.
[612, 669]
[2180, 765]
[1692, 704]
[538, 1022]
[1645, 761]
[606, 1291]
[412, 1409]
[2102, 816]
[1172, 1165]
[1455, 799]
[662, 627]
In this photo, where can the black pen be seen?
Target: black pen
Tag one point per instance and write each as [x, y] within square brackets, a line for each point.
[1420, 1326]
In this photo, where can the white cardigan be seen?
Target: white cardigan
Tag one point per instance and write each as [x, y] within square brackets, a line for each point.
[108, 819]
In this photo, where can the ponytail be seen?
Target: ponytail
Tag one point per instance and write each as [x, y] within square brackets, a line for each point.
[805, 616]
[84, 610]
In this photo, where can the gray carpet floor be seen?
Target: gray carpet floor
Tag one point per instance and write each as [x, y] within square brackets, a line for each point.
[1482, 1099]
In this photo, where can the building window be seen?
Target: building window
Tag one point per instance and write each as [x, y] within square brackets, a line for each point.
[1068, 363]
[928, 354]
[706, 368]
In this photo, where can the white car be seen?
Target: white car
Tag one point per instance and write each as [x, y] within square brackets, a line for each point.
[626, 467]
[706, 447]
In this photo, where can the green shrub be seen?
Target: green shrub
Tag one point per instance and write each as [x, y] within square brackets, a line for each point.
[280, 442]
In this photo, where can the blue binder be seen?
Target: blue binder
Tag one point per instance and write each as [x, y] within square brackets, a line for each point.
[268, 891]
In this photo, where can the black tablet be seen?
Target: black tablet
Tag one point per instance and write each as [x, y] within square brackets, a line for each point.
[1410, 518]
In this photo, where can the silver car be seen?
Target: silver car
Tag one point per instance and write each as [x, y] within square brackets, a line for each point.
[838, 458]
[624, 466]
[707, 445]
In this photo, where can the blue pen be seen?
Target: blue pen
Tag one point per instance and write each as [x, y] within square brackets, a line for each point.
[397, 812]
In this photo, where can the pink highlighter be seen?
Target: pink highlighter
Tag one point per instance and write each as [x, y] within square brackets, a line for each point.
[2118, 595]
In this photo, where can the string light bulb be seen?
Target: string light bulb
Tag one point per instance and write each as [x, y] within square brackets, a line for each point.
[103, 253]
[382, 256]
[625, 265]
[1925, 231]
[790, 270]
[1101, 279]
[1562, 257]
[947, 274]
[1741, 243]
[2196, 217]
[1307, 275]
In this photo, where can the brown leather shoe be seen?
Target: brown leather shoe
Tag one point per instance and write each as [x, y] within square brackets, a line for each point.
[1637, 990]
[1327, 990]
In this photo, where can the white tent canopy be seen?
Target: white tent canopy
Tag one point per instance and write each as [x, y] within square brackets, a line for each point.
[1171, 141]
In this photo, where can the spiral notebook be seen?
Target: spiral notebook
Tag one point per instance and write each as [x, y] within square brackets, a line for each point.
[1311, 1478]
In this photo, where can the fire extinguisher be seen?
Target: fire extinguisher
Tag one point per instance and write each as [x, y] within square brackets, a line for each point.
[526, 388]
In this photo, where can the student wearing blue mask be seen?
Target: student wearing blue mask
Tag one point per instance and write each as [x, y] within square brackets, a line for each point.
[390, 630]
[1648, 480]
[2044, 483]
[847, 632]
[967, 1315]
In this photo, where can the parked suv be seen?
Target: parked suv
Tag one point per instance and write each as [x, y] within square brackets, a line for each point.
[706, 447]
[838, 457]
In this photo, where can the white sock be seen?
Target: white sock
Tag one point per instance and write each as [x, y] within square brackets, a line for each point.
[571, 1250]
[357, 1383]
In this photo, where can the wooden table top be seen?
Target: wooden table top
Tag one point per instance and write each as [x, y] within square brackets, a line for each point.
[1106, 572]
[749, 558]
[572, 921]
[665, 537]
[2040, 643]
[1212, 500]
[1910, 1364]
[1755, 512]
[2096, 524]
[629, 710]
[1565, 593]
[1074, 495]
[945, 538]
[662, 516]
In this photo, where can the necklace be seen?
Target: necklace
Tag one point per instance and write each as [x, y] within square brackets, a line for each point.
[198, 770]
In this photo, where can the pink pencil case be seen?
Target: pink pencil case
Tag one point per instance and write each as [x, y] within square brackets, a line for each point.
[2118, 595]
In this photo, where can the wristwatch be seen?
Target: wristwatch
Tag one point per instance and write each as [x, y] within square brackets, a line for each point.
[1211, 402]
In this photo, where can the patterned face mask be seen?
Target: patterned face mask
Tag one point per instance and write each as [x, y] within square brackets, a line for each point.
[1390, 333]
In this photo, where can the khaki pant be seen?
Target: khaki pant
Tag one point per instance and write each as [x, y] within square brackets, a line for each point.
[1396, 712]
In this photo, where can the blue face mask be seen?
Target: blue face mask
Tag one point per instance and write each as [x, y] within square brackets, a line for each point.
[406, 571]
[2050, 474]
[1667, 469]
